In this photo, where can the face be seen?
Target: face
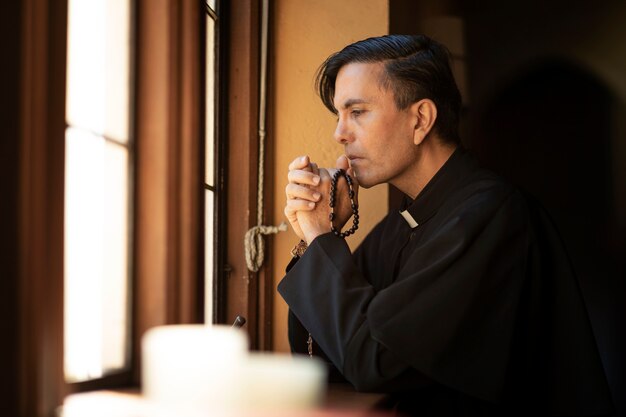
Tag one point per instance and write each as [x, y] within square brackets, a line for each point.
[378, 138]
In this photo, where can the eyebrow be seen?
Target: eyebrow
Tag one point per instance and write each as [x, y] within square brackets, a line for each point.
[352, 101]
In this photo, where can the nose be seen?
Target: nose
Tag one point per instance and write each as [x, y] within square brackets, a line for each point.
[342, 133]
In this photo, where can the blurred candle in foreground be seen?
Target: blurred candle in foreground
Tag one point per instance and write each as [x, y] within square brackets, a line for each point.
[193, 366]
[281, 382]
[192, 369]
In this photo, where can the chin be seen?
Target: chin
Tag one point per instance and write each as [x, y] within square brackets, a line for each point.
[366, 182]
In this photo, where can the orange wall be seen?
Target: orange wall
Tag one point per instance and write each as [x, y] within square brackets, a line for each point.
[305, 32]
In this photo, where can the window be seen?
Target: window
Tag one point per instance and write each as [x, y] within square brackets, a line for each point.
[152, 148]
[98, 173]
[163, 163]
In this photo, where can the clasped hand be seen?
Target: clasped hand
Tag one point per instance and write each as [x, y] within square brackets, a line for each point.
[307, 207]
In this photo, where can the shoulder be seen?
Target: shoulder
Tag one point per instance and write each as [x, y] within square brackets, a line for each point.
[485, 198]
[464, 183]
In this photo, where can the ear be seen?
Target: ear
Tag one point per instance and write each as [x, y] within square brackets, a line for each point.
[424, 113]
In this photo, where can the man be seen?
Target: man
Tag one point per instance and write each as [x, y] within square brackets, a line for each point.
[464, 303]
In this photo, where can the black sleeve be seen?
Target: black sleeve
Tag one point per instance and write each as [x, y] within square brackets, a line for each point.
[370, 367]
[417, 330]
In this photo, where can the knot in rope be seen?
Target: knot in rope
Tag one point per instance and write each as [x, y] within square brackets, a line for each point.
[255, 245]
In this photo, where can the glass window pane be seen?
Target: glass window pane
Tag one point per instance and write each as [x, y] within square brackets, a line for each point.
[98, 66]
[115, 285]
[208, 255]
[210, 102]
[96, 256]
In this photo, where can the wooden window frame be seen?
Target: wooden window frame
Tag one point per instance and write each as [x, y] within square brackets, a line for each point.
[170, 117]
[168, 225]
[38, 170]
[169, 106]
[247, 294]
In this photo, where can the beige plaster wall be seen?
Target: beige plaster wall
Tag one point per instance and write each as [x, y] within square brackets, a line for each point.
[305, 32]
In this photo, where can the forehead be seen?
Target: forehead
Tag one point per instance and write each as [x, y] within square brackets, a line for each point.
[359, 81]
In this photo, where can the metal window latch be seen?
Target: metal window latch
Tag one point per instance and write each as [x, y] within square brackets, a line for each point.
[239, 321]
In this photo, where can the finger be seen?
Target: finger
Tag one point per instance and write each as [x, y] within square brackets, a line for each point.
[303, 177]
[343, 163]
[296, 191]
[300, 162]
[355, 181]
[296, 205]
[325, 174]
[314, 168]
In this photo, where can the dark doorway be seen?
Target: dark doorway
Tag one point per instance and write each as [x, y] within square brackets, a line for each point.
[549, 132]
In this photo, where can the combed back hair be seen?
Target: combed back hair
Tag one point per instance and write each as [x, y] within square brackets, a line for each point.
[416, 67]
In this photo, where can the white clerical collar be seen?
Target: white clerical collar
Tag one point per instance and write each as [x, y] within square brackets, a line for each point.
[409, 219]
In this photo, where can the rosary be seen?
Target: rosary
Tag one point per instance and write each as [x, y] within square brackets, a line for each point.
[355, 207]
[338, 233]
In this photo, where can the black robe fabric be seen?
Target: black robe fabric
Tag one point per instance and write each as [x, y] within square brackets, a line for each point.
[474, 311]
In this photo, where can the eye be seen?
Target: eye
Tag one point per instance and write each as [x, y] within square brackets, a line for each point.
[356, 112]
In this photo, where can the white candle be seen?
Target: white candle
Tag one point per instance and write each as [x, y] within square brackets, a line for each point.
[193, 367]
[274, 381]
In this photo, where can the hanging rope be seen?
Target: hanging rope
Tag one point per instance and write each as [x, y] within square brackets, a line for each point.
[254, 243]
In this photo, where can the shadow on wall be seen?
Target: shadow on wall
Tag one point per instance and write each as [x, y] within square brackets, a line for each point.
[550, 132]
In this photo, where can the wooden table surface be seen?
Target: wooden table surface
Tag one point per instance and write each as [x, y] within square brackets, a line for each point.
[341, 401]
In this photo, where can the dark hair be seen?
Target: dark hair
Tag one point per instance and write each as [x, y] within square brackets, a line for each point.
[416, 67]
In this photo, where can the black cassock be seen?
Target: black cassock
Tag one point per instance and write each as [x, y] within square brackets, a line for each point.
[465, 303]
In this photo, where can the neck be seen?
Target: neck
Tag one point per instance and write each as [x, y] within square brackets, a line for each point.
[431, 157]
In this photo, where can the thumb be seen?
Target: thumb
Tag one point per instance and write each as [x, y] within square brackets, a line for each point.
[355, 180]
[343, 163]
